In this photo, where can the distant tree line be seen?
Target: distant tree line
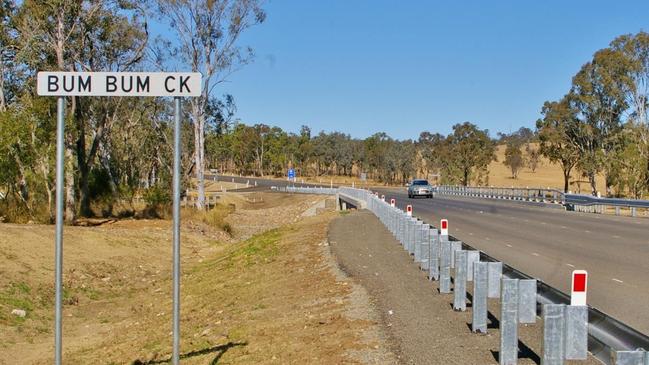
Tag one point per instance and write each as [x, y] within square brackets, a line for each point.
[459, 158]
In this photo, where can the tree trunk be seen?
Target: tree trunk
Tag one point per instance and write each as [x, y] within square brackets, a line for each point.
[593, 183]
[199, 152]
[566, 180]
[70, 199]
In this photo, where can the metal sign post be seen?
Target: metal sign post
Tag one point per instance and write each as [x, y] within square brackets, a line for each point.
[168, 84]
[58, 254]
[176, 233]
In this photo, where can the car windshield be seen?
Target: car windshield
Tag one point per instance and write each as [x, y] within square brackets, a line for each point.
[420, 182]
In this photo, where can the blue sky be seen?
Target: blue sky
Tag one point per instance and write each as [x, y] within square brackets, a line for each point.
[400, 67]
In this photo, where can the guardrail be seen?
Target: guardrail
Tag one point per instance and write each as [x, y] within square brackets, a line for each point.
[592, 204]
[306, 190]
[609, 340]
[539, 195]
[573, 202]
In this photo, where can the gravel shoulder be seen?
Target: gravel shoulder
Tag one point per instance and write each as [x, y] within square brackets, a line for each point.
[421, 324]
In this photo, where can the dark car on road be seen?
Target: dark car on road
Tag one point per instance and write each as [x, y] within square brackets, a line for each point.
[420, 187]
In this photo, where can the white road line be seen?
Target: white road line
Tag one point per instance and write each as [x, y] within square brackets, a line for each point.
[617, 280]
[543, 223]
[587, 231]
[564, 227]
[616, 236]
[535, 254]
[508, 245]
[487, 238]
[571, 265]
[470, 234]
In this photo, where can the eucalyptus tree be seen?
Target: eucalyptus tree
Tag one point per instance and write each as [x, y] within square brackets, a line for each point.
[469, 150]
[207, 33]
[83, 35]
[598, 93]
[635, 48]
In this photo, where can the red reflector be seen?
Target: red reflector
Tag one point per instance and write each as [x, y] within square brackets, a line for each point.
[579, 282]
[444, 224]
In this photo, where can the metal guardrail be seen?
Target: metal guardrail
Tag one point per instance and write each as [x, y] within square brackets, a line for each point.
[574, 202]
[306, 190]
[540, 195]
[589, 200]
[606, 334]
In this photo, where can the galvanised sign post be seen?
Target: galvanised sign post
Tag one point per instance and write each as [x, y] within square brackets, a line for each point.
[164, 84]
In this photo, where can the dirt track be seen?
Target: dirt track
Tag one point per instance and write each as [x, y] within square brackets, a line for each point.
[420, 322]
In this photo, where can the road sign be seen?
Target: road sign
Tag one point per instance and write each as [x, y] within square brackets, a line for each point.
[579, 287]
[291, 174]
[118, 84]
[61, 84]
[443, 227]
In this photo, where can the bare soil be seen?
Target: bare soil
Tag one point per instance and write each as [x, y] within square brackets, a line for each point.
[268, 294]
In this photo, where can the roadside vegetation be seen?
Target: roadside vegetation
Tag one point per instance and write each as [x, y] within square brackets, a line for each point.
[119, 149]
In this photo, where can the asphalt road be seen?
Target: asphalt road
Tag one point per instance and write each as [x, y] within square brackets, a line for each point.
[549, 243]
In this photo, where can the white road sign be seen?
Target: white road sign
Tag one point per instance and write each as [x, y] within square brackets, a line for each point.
[119, 84]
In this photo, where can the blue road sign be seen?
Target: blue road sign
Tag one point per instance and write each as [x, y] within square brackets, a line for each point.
[291, 174]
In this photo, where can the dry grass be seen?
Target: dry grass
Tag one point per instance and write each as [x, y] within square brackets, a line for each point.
[547, 175]
[268, 299]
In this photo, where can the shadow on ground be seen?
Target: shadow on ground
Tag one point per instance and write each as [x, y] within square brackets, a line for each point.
[524, 352]
[220, 350]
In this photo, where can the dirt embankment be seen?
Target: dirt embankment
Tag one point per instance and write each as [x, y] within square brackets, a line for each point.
[269, 294]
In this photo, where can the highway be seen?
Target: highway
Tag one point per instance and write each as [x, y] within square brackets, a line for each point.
[549, 243]
[546, 243]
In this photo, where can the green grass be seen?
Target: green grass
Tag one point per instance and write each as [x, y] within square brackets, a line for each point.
[259, 248]
[16, 295]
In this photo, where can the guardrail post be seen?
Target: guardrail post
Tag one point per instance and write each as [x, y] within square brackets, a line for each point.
[472, 256]
[633, 211]
[617, 210]
[479, 301]
[455, 246]
[419, 233]
[553, 334]
[495, 273]
[445, 268]
[406, 245]
[433, 266]
[424, 252]
[629, 357]
[527, 301]
[400, 229]
[509, 322]
[459, 281]
[576, 336]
